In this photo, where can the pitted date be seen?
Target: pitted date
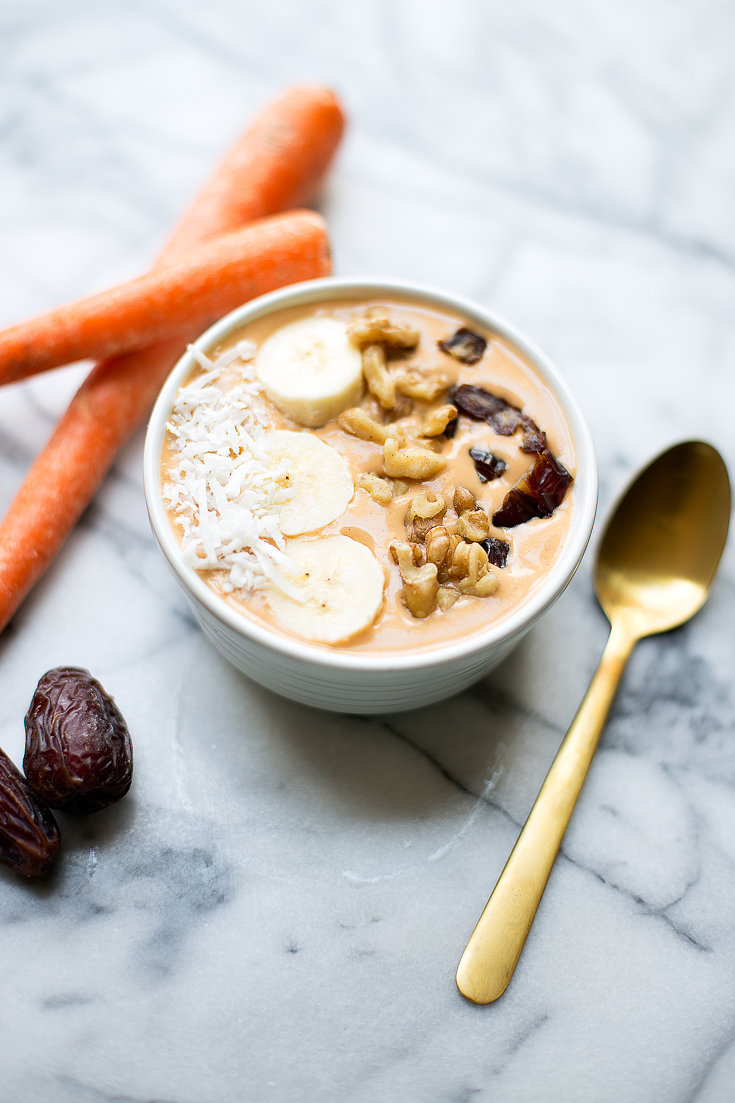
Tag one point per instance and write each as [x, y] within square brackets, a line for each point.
[78, 756]
[464, 345]
[497, 551]
[29, 834]
[536, 494]
[503, 417]
[487, 465]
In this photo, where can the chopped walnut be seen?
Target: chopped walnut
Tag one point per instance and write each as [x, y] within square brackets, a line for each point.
[479, 581]
[460, 564]
[438, 543]
[410, 439]
[399, 487]
[463, 500]
[379, 489]
[361, 425]
[446, 597]
[427, 388]
[422, 507]
[403, 408]
[373, 330]
[473, 525]
[417, 552]
[411, 463]
[435, 422]
[445, 568]
[378, 378]
[422, 516]
[417, 528]
[420, 584]
[454, 541]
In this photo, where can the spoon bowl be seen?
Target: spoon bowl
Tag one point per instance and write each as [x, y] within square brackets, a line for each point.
[654, 567]
[664, 540]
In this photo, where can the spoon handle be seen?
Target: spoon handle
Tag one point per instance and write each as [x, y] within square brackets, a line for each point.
[493, 951]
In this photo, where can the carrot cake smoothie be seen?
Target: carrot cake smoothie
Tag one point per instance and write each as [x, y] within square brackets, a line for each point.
[368, 475]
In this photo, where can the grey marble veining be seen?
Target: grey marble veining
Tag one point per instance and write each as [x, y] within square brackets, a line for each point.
[276, 911]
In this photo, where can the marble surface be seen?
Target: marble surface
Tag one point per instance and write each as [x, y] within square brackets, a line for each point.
[276, 911]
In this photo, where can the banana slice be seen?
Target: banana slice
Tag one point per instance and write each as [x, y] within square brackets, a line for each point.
[311, 370]
[343, 583]
[318, 482]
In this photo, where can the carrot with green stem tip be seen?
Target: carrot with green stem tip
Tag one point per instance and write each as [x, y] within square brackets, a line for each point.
[180, 299]
[279, 162]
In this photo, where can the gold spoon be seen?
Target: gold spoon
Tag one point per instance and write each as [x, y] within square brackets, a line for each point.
[654, 567]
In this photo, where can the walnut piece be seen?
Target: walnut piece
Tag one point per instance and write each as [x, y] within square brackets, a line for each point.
[446, 571]
[417, 552]
[399, 487]
[460, 559]
[378, 378]
[417, 528]
[422, 507]
[427, 388]
[403, 408]
[479, 580]
[463, 499]
[412, 440]
[435, 422]
[379, 489]
[454, 542]
[420, 584]
[411, 463]
[422, 516]
[361, 425]
[473, 525]
[373, 330]
[446, 597]
[438, 543]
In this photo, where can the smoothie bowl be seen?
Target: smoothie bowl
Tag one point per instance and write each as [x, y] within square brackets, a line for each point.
[368, 490]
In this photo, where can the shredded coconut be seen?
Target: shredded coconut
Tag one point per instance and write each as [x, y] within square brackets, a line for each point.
[243, 350]
[222, 487]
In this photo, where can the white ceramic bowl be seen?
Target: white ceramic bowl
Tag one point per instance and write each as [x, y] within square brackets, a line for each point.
[344, 681]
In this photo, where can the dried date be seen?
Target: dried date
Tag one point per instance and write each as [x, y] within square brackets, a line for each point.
[78, 755]
[487, 465]
[464, 345]
[497, 551]
[29, 834]
[503, 417]
[536, 494]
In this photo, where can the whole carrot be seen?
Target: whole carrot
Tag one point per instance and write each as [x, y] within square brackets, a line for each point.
[287, 151]
[180, 299]
[280, 163]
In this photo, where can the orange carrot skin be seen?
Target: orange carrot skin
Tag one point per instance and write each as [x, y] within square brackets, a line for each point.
[183, 298]
[104, 413]
[118, 394]
[63, 481]
[280, 162]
